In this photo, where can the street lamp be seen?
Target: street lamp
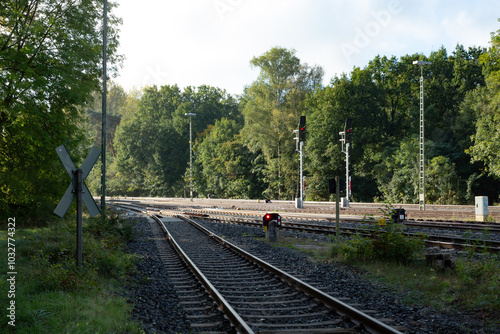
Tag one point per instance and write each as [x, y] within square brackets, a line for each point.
[421, 175]
[190, 154]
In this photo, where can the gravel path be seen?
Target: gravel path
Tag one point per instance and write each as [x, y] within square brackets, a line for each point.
[156, 305]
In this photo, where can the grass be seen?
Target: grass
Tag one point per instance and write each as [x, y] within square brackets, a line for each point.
[53, 295]
[473, 286]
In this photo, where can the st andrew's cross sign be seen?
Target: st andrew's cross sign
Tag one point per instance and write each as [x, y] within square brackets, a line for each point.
[70, 194]
[78, 189]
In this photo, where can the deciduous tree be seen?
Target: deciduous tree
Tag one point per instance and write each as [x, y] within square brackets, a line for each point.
[50, 63]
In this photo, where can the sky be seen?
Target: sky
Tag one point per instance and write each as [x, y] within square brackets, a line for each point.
[211, 42]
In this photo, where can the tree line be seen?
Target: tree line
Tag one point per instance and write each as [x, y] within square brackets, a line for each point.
[243, 146]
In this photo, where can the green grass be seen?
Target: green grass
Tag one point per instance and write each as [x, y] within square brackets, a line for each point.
[473, 285]
[53, 295]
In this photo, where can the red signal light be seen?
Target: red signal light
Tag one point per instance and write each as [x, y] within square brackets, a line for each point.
[268, 216]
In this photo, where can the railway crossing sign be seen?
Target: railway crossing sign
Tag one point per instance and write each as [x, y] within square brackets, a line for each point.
[71, 192]
[78, 189]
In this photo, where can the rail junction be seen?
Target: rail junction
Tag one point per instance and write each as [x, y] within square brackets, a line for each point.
[226, 289]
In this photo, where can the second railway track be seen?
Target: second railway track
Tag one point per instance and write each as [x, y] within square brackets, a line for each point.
[458, 239]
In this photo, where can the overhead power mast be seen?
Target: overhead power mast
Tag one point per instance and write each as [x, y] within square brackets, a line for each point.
[345, 139]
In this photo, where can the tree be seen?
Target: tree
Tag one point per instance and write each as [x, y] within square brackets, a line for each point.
[153, 144]
[485, 101]
[226, 166]
[50, 63]
[357, 98]
[272, 106]
[151, 156]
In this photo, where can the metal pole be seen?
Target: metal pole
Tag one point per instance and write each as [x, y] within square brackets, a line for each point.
[421, 167]
[422, 144]
[190, 159]
[347, 190]
[301, 174]
[104, 93]
[337, 209]
[190, 154]
[79, 231]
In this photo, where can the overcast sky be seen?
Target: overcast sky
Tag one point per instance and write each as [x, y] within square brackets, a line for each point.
[196, 42]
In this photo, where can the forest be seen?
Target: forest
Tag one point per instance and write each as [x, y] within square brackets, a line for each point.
[243, 146]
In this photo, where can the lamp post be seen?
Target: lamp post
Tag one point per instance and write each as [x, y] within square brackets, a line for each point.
[421, 174]
[190, 154]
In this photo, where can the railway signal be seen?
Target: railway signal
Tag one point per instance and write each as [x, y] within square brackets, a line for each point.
[332, 186]
[302, 128]
[348, 130]
[301, 136]
[271, 222]
[268, 217]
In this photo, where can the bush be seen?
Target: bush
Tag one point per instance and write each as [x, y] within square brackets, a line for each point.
[393, 245]
[387, 243]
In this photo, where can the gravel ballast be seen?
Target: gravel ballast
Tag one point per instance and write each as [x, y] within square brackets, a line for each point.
[149, 290]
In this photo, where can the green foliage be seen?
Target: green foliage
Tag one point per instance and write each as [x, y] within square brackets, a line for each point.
[272, 106]
[252, 154]
[52, 254]
[398, 175]
[49, 65]
[479, 282]
[152, 145]
[225, 167]
[487, 138]
[357, 98]
[392, 245]
[382, 99]
[387, 244]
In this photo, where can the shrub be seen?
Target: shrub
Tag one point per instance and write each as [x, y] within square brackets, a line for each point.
[387, 243]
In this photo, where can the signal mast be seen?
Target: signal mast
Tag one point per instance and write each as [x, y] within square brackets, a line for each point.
[345, 139]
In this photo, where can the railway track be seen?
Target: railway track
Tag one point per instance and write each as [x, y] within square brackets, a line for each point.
[320, 227]
[433, 212]
[199, 307]
[255, 296]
